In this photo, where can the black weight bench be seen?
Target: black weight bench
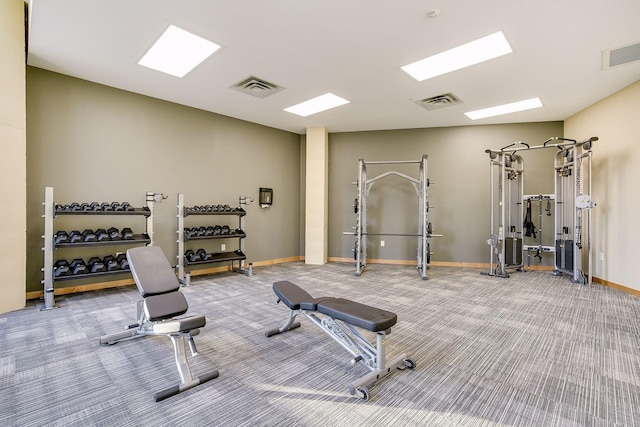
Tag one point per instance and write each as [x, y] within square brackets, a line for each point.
[326, 312]
[157, 313]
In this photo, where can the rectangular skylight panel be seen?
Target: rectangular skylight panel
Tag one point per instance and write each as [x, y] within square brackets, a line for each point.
[177, 52]
[317, 104]
[513, 107]
[480, 50]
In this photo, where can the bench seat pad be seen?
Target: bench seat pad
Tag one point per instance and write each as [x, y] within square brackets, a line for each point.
[184, 324]
[360, 315]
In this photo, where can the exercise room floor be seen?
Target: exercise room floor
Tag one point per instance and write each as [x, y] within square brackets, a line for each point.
[530, 350]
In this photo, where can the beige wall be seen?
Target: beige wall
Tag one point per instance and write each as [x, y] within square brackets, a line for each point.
[12, 161]
[95, 143]
[616, 174]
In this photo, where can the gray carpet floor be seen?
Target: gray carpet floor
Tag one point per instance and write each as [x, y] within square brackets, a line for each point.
[530, 350]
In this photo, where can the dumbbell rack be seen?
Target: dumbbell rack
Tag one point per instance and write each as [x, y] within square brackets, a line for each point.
[52, 210]
[216, 257]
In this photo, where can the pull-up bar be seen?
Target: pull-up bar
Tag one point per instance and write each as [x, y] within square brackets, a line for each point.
[567, 143]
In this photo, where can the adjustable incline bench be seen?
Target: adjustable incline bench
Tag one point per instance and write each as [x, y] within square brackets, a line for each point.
[351, 315]
[156, 314]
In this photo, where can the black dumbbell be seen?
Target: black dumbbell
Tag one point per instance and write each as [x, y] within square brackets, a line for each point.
[217, 230]
[102, 235]
[105, 206]
[61, 268]
[89, 236]
[96, 265]
[110, 263]
[127, 234]
[75, 206]
[114, 233]
[85, 207]
[116, 206]
[78, 266]
[190, 232]
[202, 231]
[61, 237]
[95, 206]
[127, 206]
[75, 236]
[210, 231]
[123, 262]
[225, 229]
[204, 256]
[191, 256]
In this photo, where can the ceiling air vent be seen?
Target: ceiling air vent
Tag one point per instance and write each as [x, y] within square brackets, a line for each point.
[257, 87]
[438, 102]
[622, 55]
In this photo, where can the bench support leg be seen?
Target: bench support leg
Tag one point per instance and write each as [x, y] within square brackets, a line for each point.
[288, 325]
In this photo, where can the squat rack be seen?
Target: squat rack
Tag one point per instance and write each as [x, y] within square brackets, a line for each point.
[364, 186]
[573, 204]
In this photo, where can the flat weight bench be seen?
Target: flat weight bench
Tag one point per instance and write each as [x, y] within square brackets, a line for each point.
[156, 314]
[340, 319]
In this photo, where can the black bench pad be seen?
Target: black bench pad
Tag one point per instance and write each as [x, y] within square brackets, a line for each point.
[295, 297]
[360, 315]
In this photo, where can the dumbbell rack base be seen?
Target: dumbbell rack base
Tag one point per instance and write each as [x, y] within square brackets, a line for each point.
[218, 257]
[91, 275]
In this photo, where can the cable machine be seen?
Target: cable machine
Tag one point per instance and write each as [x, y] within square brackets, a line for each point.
[572, 213]
[507, 187]
[364, 186]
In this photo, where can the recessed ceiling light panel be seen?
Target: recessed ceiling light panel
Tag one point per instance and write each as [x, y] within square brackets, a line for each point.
[177, 52]
[513, 107]
[317, 104]
[480, 50]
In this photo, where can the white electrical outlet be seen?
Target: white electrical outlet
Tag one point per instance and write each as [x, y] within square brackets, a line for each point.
[601, 256]
[381, 242]
[223, 247]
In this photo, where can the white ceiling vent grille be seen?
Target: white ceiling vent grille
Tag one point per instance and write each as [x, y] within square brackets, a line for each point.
[620, 56]
[438, 102]
[257, 87]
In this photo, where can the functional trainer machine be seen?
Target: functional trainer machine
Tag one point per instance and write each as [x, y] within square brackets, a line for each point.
[340, 319]
[157, 314]
[572, 209]
[507, 186]
[364, 186]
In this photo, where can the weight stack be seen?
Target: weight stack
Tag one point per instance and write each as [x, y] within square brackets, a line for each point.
[513, 251]
[564, 254]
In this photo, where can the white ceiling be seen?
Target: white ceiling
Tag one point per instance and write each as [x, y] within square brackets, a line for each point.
[352, 48]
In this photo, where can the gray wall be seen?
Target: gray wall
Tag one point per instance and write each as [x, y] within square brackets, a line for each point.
[92, 142]
[95, 143]
[458, 169]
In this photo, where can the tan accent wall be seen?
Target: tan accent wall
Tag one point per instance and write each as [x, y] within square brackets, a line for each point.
[616, 176]
[12, 160]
